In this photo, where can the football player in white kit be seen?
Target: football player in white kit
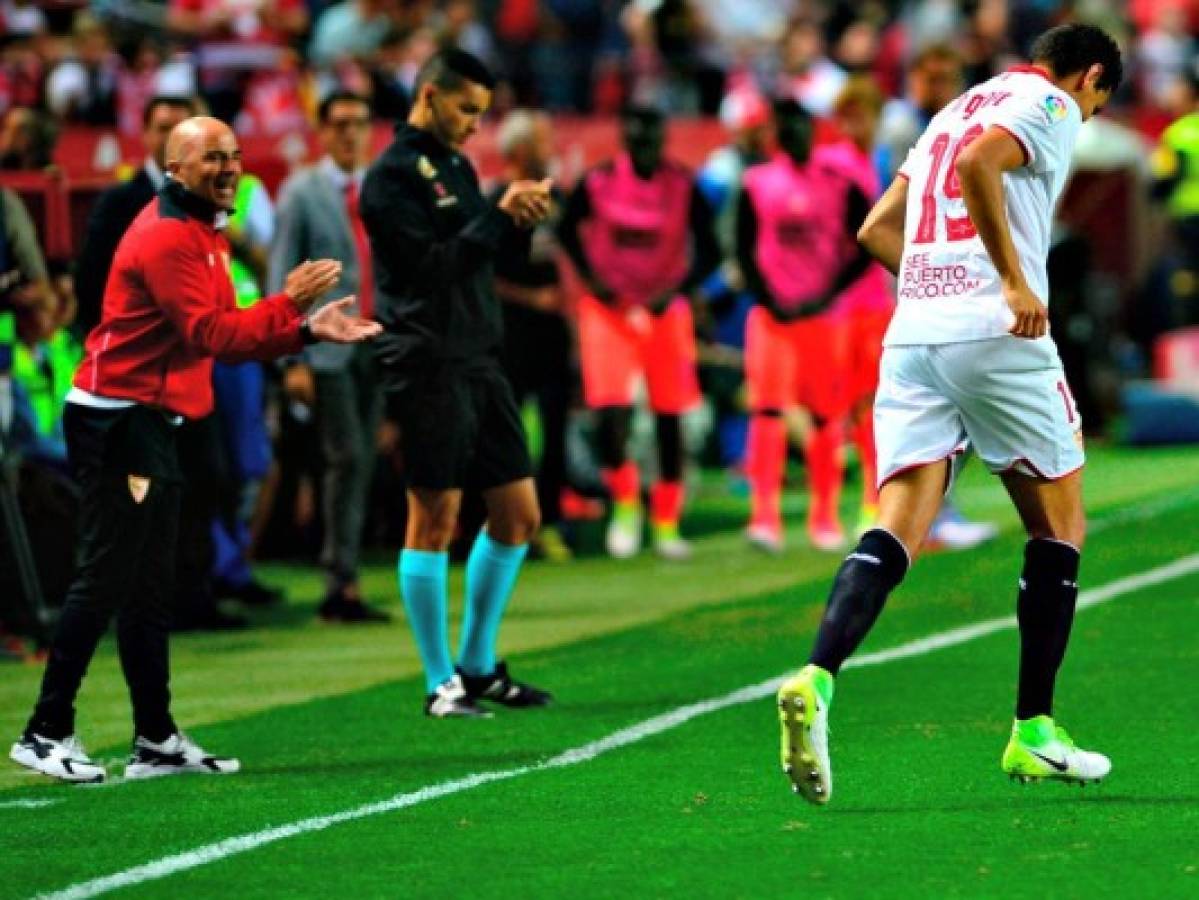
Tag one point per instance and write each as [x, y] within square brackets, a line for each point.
[968, 360]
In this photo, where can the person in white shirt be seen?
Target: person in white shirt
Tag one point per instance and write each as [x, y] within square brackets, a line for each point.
[968, 360]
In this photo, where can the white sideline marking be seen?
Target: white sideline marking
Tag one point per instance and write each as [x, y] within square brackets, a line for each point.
[190, 859]
[27, 804]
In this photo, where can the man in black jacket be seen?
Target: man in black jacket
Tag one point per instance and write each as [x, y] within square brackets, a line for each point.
[433, 238]
[118, 206]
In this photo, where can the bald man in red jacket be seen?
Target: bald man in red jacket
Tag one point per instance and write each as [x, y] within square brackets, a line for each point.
[169, 311]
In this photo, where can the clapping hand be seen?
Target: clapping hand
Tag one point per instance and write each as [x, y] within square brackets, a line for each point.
[330, 323]
[310, 279]
[527, 202]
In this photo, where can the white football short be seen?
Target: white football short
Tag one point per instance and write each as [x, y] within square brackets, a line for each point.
[1006, 397]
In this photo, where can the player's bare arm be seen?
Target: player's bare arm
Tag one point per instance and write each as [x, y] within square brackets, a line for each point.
[980, 167]
[882, 232]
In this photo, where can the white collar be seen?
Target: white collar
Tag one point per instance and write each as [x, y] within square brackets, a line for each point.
[155, 174]
[339, 176]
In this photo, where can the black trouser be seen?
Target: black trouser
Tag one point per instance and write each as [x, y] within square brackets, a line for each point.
[537, 361]
[125, 565]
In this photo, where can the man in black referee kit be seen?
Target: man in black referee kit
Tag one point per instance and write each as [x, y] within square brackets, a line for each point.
[433, 237]
[168, 311]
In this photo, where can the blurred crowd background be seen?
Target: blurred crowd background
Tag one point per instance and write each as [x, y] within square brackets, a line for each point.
[76, 78]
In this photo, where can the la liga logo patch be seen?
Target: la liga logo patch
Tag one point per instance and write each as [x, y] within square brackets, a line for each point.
[1055, 108]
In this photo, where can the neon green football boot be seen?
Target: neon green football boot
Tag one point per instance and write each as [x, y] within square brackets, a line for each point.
[803, 703]
[1039, 749]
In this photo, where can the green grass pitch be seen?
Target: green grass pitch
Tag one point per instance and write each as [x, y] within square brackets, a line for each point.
[327, 720]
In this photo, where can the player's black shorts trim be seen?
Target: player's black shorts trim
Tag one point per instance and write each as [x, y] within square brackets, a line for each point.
[460, 429]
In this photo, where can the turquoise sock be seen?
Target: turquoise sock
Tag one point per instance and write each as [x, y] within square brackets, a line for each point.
[423, 575]
[490, 576]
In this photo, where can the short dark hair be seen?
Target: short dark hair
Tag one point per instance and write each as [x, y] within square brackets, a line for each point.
[450, 69]
[1075, 47]
[642, 113]
[338, 96]
[786, 108]
[176, 102]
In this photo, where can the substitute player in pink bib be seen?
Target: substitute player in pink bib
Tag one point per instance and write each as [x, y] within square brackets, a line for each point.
[795, 247]
[641, 236]
[968, 360]
[867, 304]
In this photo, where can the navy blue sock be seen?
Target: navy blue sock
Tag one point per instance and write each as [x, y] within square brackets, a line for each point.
[1045, 611]
[868, 575]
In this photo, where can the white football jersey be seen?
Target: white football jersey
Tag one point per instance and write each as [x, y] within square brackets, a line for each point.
[948, 289]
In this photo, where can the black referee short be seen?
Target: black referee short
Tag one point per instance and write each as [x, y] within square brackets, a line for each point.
[460, 429]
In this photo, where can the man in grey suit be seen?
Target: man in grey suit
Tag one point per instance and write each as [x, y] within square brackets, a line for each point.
[318, 219]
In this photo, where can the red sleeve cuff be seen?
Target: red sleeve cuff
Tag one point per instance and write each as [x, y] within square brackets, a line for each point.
[284, 300]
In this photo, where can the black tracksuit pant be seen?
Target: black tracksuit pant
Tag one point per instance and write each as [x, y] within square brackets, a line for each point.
[125, 463]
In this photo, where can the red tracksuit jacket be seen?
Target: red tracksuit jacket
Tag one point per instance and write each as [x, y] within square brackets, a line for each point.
[169, 310]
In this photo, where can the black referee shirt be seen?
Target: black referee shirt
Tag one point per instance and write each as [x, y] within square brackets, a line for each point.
[433, 238]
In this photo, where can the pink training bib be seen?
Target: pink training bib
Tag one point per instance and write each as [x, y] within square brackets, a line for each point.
[802, 242]
[637, 238]
[872, 292]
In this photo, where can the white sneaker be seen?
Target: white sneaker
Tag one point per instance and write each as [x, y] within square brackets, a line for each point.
[766, 538]
[176, 755]
[65, 760]
[450, 700]
[623, 540]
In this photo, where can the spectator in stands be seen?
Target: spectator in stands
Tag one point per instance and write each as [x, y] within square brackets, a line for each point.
[744, 35]
[118, 206]
[1175, 162]
[808, 76]
[272, 100]
[27, 313]
[1175, 171]
[668, 68]
[22, 74]
[564, 59]
[352, 28]
[234, 38]
[393, 74]
[461, 28]
[1163, 53]
[22, 18]
[23, 277]
[537, 338]
[319, 218]
[154, 71]
[26, 140]
[934, 78]
[44, 355]
[82, 89]
[640, 234]
[517, 26]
